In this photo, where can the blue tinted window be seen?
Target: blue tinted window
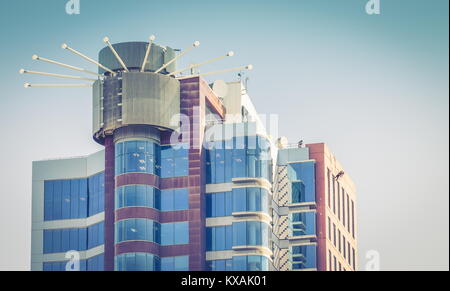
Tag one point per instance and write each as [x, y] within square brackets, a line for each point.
[137, 262]
[83, 199]
[78, 239]
[48, 241]
[239, 200]
[250, 263]
[82, 239]
[303, 257]
[69, 199]
[96, 263]
[174, 162]
[219, 238]
[250, 233]
[57, 200]
[96, 194]
[181, 199]
[240, 157]
[136, 157]
[139, 229]
[75, 198]
[48, 200]
[175, 263]
[95, 235]
[303, 223]
[137, 196]
[228, 203]
[239, 234]
[175, 233]
[174, 199]
[219, 204]
[250, 200]
[220, 265]
[65, 206]
[302, 176]
[240, 263]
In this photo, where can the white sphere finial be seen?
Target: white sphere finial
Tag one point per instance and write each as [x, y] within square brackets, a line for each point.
[35, 57]
[106, 39]
[21, 71]
[250, 67]
[196, 44]
[64, 46]
[27, 85]
[152, 38]
[230, 53]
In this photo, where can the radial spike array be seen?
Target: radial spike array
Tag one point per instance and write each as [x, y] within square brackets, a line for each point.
[28, 85]
[147, 53]
[119, 59]
[249, 67]
[37, 58]
[229, 54]
[22, 71]
[194, 45]
[66, 47]
[101, 77]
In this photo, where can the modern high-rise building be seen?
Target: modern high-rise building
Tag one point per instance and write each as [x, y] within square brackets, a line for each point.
[189, 179]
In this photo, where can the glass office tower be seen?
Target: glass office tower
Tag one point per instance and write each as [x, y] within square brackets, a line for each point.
[188, 180]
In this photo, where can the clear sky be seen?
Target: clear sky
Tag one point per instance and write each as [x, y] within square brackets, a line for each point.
[374, 88]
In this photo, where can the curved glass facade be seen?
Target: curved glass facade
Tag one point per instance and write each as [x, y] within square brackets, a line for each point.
[137, 262]
[251, 199]
[240, 157]
[137, 196]
[180, 263]
[250, 233]
[137, 156]
[250, 263]
[219, 238]
[137, 229]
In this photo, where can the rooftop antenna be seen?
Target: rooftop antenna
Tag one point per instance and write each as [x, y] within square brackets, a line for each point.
[66, 47]
[191, 67]
[37, 58]
[147, 53]
[119, 59]
[248, 67]
[28, 85]
[246, 84]
[23, 71]
[194, 45]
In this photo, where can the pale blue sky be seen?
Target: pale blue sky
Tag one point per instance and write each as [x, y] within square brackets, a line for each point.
[374, 88]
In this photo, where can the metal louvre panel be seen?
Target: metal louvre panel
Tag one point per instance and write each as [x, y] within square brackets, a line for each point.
[133, 53]
[169, 54]
[151, 99]
[97, 93]
[111, 90]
